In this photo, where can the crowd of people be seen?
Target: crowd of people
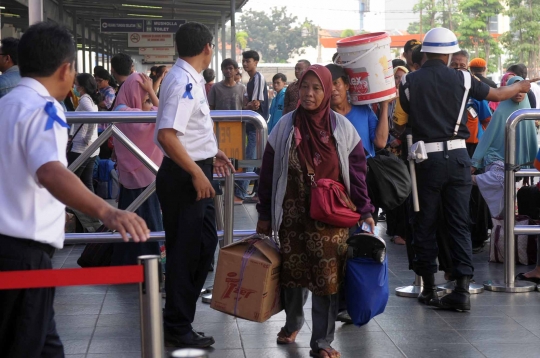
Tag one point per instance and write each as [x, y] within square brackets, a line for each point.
[444, 99]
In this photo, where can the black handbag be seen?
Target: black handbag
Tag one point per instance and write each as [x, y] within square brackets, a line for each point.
[388, 180]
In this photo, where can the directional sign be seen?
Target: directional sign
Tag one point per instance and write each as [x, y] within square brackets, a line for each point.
[156, 51]
[140, 25]
[158, 59]
[143, 39]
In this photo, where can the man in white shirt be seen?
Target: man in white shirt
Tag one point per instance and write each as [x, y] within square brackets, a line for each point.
[184, 131]
[35, 186]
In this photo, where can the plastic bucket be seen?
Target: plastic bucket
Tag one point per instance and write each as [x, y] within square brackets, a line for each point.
[367, 59]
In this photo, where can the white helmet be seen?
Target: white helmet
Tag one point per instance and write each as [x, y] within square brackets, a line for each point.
[440, 40]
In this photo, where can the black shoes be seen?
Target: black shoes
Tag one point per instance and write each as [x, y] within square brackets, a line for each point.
[428, 296]
[190, 340]
[460, 298]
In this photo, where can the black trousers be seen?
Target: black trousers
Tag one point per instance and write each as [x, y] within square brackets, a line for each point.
[191, 241]
[443, 179]
[85, 171]
[27, 327]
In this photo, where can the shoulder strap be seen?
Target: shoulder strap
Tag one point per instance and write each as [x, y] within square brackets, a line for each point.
[467, 84]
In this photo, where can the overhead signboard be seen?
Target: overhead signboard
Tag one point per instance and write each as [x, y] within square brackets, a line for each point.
[158, 59]
[108, 25]
[143, 39]
[156, 51]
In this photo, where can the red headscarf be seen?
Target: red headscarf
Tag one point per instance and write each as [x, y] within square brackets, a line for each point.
[313, 131]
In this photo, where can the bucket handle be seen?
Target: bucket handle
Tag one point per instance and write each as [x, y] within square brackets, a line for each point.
[356, 59]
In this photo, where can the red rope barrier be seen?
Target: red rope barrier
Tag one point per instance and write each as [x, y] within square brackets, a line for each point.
[114, 275]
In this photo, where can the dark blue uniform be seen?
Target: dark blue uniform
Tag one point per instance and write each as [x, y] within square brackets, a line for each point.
[436, 93]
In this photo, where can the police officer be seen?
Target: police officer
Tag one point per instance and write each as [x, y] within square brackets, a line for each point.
[434, 99]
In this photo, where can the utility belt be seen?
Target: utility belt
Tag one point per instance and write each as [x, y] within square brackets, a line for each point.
[419, 150]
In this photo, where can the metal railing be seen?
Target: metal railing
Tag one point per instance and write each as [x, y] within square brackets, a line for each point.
[227, 233]
[509, 284]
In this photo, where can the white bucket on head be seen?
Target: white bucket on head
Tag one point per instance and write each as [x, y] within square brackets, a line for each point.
[367, 59]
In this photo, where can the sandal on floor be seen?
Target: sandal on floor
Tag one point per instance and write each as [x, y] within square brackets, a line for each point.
[325, 353]
[284, 338]
[522, 277]
[398, 240]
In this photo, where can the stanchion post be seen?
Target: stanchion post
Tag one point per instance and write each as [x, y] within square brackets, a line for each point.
[411, 291]
[152, 345]
[228, 198]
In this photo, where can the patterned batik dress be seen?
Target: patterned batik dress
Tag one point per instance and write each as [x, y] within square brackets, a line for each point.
[313, 253]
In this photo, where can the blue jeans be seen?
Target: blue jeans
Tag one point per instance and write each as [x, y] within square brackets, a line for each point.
[250, 154]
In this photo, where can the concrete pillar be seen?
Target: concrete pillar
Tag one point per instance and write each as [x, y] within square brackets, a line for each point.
[216, 52]
[74, 31]
[35, 11]
[83, 32]
[223, 41]
[233, 30]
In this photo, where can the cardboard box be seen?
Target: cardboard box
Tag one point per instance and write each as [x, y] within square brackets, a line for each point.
[255, 265]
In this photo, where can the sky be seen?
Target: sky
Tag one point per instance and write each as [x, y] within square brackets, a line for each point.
[343, 14]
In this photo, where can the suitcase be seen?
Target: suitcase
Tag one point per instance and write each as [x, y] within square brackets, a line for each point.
[366, 278]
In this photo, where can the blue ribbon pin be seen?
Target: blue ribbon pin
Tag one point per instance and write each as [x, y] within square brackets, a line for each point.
[50, 109]
[187, 94]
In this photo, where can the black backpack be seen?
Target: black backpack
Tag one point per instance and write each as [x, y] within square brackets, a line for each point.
[388, 180]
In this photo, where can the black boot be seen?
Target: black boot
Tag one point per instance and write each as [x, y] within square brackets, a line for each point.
[460, 298]
[428, 296]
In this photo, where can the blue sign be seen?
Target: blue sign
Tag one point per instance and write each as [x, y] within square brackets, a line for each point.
[140, 25]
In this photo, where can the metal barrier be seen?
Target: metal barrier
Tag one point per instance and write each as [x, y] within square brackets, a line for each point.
[150, 117]
[509, 284]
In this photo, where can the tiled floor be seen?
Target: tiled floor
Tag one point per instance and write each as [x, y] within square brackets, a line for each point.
[103, 321]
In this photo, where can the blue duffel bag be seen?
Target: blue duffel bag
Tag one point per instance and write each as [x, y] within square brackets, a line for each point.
[366, 279]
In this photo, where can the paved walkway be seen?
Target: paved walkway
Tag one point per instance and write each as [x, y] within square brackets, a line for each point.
[103, 321]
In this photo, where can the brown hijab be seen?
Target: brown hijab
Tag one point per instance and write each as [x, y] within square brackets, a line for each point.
[313, 131]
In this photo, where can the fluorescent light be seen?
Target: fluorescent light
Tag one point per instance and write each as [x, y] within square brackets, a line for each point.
[7, 14]
[142, 15]
[2, 8]
[142, 6]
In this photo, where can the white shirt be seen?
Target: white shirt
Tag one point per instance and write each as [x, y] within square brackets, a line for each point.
[27, 210]
[190, 117]
[88, 133]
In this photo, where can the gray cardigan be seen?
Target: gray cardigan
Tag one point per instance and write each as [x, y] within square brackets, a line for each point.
[275, 165]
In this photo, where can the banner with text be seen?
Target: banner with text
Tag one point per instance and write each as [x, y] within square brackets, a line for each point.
[157, 51]
[108, 25]
[143, 39]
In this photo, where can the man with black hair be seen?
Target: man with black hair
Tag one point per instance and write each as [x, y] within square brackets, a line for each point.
[276, 108]
[521, 71]
[209, 77]
[408, 50]
[8, 65]
[291, 96]
[229, 95]
[36, 186]
[121, 68]
[185, 134]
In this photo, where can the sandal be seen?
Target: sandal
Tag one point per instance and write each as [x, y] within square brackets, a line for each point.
[522, 277]
[398, 240]
[325, 353]
[284, 338]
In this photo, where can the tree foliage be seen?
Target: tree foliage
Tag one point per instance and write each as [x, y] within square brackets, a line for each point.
[242, 39]
[347, 33]
[435, 13]
[474, 32]
[277, 35]
[522, 41]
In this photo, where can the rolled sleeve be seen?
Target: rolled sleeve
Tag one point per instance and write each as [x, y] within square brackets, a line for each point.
[176, 113]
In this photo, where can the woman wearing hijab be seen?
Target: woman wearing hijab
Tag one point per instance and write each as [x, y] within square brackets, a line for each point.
[490, 150]
[136, 95]
[313, 253]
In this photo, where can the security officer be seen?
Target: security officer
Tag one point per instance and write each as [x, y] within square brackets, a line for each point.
[435, 98]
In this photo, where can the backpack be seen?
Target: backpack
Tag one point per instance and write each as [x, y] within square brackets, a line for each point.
[106, 179]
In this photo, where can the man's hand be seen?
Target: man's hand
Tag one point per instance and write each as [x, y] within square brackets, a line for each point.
[371, 224]
[253, 105]
[126, 222]
[203, 187]
[524, 86]
[223, 164]
[264, 227]
[473, 169]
